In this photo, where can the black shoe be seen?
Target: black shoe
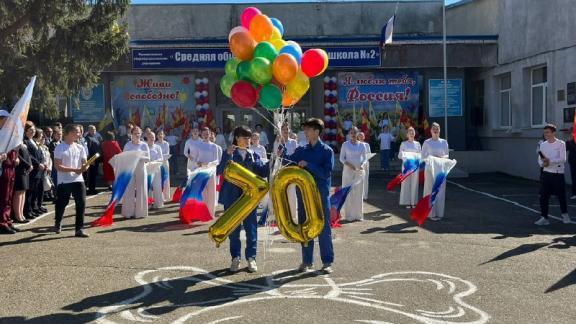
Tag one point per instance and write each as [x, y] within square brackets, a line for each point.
[81, 233]
[30, 216]
[15, 229]
[38, 211]
[43, 210]
[57, 229]
[4, 230]
[34, 213]
[25, 221]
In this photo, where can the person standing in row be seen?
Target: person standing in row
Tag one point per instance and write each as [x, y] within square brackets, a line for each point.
[318, 159]
[188, 147]
[56, 139]
[257, 148]
[70, 161]
[571, 150]
[385, 139]
[239, 153]
[552, 157]
[156, 185]
[93, 144]
[135, 204]
[437, 147]
[203, 154]
[219, 139]
[353, 157]
[362, 139]
[109, 148]
[8, 162]
[36, 186]
[409, 187]
[165, 146]
[263, 137]
[21, 185]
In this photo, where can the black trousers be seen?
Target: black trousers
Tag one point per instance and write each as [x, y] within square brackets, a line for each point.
[34, 195]
[63, 192]
[92, 175]
[573, 176]
[552, 184]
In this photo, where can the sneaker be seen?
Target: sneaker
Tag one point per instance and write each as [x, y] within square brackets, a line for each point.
[57, 229]
[305, 267]
[235, 266]
[566, 219]
[434, 219]
[327, 268]
[81, 233]
[542, 222]
[252, 267]
[408, 207]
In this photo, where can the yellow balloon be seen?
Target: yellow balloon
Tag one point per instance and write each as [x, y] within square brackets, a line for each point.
[275, 34]
[254, 188]
[298, 87]
[314, 223]
[278, 43]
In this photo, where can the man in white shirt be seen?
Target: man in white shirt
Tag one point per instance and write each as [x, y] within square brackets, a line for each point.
[385, 139]
[70, 161]
[552, 157]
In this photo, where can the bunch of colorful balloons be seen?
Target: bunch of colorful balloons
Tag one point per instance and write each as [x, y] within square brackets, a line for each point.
[265, 68]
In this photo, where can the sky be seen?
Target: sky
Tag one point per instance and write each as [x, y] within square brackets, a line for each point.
[252, 1]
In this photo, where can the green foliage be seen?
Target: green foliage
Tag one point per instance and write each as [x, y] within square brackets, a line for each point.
[66, 44]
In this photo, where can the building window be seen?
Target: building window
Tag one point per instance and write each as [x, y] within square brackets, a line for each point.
[539, 86]
[505, 107]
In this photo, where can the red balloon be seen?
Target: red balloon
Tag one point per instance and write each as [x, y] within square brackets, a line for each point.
[244, 95]
[313, 61]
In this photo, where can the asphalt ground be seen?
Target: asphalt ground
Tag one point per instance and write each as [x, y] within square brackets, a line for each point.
[484, 263]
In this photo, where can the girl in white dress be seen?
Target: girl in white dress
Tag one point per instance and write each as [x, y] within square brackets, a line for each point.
[203, 154]
[437, 147]
[409, 187]
[361, 138]
[165, 146]
[156, 156]
[353, 156]
[289, 145]
[135, 204]
[219, 155]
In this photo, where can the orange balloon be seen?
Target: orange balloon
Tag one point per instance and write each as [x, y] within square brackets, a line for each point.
[284, 68]
[288, 100]
[261, 28]
[242, 45]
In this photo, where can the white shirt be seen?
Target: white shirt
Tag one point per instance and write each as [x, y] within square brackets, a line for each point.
[302, 141]
[438, 148]
[138, 147]
[384, 122]
[264, 138]
[354, 154]
[221, 141]
[155, 152]
[71, 156]
[219, 153]
[556, 153]
[290, 145]
[260, 150]
[165, 146]
[190, 143]
[408, 146]
[172, 140]
[385, 140]
[367, 146]
[204, 152]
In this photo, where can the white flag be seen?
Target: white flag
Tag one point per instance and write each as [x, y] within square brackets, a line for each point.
[12, 133]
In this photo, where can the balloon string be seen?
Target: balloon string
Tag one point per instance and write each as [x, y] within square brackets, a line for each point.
[266, 119]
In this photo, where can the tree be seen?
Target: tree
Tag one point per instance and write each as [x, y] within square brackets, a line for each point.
[65, 43]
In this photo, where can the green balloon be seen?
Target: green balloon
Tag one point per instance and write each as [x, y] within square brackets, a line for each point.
[260, 70]
[243, 71]
[226, 84]
[270, 97]
[266, 50]
[231, 66]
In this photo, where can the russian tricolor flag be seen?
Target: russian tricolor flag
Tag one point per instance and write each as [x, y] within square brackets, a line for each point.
[124, 165]
[387, 32]
[409, 166]
[192, 207]
[336, 202]
[440, 167]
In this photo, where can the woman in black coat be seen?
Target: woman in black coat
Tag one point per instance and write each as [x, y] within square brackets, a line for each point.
[31, 208]
[21, 184]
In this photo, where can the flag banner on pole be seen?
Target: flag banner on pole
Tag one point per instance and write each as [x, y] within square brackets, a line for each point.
[151, 169]
[387, 32]
[337, 200]
[192, 206]
[410, 164]
[12, 133]
[124, 165]
[440, 168]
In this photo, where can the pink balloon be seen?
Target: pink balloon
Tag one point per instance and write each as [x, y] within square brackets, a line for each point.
[248, 14]
[235, 30]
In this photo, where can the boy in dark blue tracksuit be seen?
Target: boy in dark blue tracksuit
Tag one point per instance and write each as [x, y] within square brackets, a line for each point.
[318, 159]
[229, 193]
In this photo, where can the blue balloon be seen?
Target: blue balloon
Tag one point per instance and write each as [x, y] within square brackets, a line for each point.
[278, 24]
[293, 49]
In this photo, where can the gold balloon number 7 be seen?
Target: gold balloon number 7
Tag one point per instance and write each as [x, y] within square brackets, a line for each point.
[254, 188]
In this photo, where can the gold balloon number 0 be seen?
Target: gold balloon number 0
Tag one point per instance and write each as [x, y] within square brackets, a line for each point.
[254, 188]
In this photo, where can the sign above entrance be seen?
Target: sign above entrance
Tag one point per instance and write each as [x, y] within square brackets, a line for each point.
[215, 58]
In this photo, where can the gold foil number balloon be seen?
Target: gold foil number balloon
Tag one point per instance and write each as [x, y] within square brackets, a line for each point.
[312, 204]
[254, 188]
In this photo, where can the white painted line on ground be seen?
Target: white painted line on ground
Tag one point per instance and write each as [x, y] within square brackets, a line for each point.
[32, 221]
[521, 195]
[501, 199]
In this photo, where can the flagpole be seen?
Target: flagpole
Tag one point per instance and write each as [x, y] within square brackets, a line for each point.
[445, 70]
